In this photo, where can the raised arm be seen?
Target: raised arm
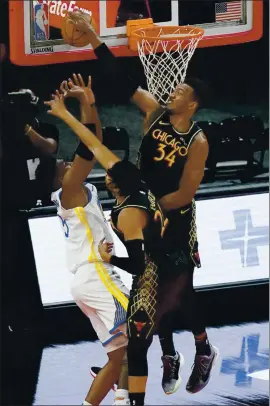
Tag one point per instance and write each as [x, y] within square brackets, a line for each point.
[84, 160]
[145, 101]
[104, 156]
[131, 222]
[77, 89]
[74, 193]
[47, 146]
[148, 105]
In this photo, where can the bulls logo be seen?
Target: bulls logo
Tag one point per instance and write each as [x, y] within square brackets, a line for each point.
[139, 325]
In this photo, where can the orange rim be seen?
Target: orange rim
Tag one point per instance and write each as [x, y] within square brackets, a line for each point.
[151, 33]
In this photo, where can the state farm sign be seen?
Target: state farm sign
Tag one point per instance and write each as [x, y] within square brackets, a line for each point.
[58, 10]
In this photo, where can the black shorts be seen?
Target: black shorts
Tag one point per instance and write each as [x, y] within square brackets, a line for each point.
[180, 238]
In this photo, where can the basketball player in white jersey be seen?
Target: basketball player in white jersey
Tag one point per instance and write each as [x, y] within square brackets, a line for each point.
[139, 222]
[97, 289]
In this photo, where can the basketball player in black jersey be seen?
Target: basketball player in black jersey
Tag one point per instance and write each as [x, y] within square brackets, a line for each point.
[171, 159]
[139, 222]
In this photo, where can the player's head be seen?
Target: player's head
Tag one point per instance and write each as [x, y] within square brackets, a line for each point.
[25, 102]
[123, 179]
[188, 97]
[50, 174]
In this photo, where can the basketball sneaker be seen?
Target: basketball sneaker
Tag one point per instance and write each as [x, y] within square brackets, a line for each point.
[122, 402]
[171, 380]
[121, 398]
[202, 369]
[94, 371]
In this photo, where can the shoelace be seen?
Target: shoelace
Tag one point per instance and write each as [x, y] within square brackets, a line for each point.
[199, 366]
[172, 367]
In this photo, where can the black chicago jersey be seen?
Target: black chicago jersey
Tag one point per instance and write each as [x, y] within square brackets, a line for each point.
[163, 153]
[161, 160]
[153, 233]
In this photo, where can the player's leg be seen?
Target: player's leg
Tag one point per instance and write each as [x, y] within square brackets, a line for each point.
[113, 314]
[94, 371]
[121, 383]
[122, 396]
[116, 367]
[171, 291]
[107, 376]
[108, 320]
[137, 369]
[172, 360]
[166, 336]
[141, 325]
[206, 354]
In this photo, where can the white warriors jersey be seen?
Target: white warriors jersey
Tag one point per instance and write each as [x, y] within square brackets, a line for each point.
[83, 228]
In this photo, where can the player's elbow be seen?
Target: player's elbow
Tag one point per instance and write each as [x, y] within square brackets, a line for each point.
[143, 101]
[135, 250]
[52, 146]
[137, 265]
[136, 98]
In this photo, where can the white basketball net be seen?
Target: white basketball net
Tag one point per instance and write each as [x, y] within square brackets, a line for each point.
[167, 68]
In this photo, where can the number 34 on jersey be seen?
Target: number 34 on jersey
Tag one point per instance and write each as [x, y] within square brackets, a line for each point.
[169, 156]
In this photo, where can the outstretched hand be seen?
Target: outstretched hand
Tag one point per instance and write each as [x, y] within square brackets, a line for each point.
[104, 249]
[57, 105]
[81, 20]
[77, 89]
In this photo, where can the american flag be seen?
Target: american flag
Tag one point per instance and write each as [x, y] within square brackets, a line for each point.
[228, 11]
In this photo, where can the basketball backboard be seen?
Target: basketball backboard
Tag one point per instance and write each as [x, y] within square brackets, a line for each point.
[35, 36]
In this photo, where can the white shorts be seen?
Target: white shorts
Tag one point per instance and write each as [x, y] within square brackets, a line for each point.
[102, 296]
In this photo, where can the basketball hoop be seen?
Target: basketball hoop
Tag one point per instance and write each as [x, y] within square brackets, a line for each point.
[165, 53]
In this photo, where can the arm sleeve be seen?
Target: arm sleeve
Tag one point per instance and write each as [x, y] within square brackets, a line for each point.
[111, 67]
[135, 262]
[82, 149]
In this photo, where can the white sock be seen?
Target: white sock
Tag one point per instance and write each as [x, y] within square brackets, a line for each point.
[121, 393]
[86, 403]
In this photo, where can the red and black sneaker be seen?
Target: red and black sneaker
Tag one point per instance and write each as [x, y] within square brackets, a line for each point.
[202, 369]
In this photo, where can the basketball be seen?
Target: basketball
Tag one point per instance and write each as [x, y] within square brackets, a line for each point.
[72, 36]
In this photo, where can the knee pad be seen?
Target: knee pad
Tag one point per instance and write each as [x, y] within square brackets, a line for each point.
[137, 356]
[140, 325]
[143, 304]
